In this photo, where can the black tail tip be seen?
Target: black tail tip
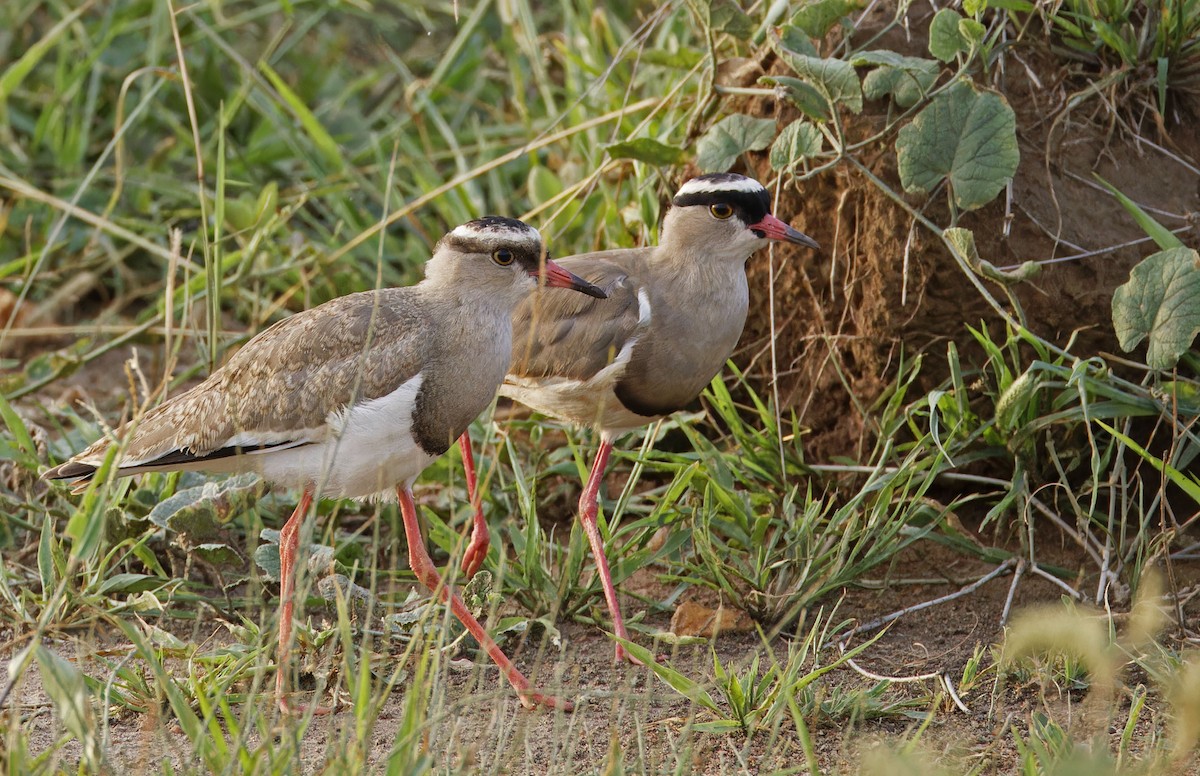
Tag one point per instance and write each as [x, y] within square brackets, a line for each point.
[70, 470]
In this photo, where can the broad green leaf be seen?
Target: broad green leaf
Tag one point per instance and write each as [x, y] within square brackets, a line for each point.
[803, 95]
[818, 17]
[905, 79]
[795, 39]
[644, 149]
[834, 78]
[729, 138]
[543, 184]
[1161, 302]
[128, 582]
[798, 141]
[319, 559]
[726, 16]
[966, 136]
[972, 32]
[946, 40]
[201, 509]
[513, 628]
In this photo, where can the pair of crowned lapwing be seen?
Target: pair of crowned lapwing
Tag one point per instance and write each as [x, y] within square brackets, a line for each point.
[356, 397]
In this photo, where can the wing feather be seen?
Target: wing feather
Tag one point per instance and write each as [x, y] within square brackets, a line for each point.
[280, 389]
[562, 334]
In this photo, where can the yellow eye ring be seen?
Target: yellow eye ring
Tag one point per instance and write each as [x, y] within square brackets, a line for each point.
[503, 256]
[721, 210]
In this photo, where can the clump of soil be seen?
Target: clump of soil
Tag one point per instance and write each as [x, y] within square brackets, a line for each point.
[880, 287]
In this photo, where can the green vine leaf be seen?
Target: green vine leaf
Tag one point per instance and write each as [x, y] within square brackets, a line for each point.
[726, 16]
[972, 32]
[643, 149]
[818, 18]
[729, 138]
[965, 136]
[201, 510]
[1161, 302]
[946, 40]
[795, 39]
[905, 79]
[798, 141]
[804, 96]
[834, 79]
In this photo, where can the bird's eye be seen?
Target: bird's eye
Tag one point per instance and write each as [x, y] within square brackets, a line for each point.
[503, 256]
[721, 210]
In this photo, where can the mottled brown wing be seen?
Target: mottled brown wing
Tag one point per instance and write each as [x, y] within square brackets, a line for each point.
[560, 333]
[286, 380]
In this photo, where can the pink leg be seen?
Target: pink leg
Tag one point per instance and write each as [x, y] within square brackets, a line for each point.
[422, 566]
[289, 542]
[589, 506]
[478, 548]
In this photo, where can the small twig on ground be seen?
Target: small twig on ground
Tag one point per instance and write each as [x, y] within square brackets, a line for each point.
[1012, 591]
[966, 590]
[1078, 596]
[1080, 539]
[954, 695]
[897, 679]
[942, 678]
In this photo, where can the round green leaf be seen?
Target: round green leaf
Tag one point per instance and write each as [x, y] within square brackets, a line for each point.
[834, 78]
[730, 137]
[643, 149]
[1161, 301]
[946, 40]
[798, 141]
[966, 136]
[905, 79]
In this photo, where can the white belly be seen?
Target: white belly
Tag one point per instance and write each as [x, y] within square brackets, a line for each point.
[368, 451]
[586, 403]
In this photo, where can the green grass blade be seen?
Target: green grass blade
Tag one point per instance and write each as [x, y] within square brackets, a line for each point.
[1189, 485]
[316, 132]
[1163, 237]
[685, 686]
[19, 70]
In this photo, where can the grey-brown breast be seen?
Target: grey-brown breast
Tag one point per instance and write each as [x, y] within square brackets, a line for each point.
[682, 331]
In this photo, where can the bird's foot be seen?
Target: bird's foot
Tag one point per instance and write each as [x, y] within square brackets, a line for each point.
[474, 556]
[531, 700]
[289, 709]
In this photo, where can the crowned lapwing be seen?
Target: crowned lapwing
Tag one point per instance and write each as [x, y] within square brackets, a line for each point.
[354, 398]
[673, 316]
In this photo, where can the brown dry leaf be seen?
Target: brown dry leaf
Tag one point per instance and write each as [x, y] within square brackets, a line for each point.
[692, 619]
[8, 304]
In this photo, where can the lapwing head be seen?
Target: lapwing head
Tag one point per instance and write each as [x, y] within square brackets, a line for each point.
[725, 215]
[504, 255]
